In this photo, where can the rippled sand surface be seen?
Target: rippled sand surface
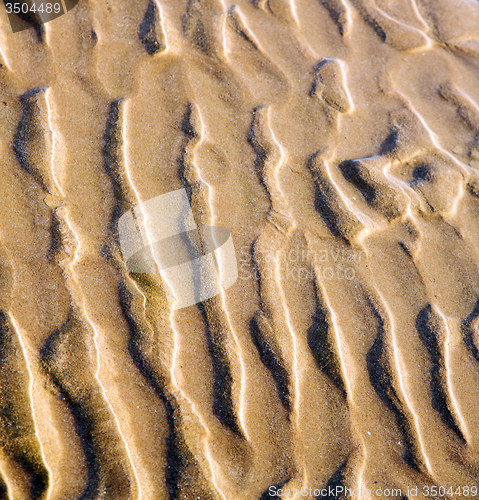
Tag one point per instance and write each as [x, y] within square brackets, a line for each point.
[338, 142]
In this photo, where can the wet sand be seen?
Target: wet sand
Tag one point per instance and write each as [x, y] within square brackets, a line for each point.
[338, 142]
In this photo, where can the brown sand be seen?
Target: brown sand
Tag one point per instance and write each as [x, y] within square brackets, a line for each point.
[338, 141]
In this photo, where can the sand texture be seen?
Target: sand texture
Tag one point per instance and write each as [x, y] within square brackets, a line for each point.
[338, 143]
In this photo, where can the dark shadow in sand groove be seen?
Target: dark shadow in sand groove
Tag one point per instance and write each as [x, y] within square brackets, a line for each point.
[112, 144]
[3, 490]
[335, 13]
[223, 407]
[83, 422]
[254, 265]
[322, 193]
[24, 133]
[238, 29]
[405, 249]
[322, 348]
[421, 174]
[468, 333]
[353, 175]
[428, 335]
[64, 355]
[189, 238]
[174, 458]
[390, 143]
[336, 481]
[39, 477]
[473, 190]
[56, 241]
[314, 87]
[178, 455]
[84, 428]
[261, 153]
[370, 21]
[193, 27]
[272, 362]
[381, 380]
[190, 134]
[187, 123]
[36, 470]
[177, 451]
[148, 31]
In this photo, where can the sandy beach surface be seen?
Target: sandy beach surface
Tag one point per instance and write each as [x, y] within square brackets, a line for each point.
[337, 144]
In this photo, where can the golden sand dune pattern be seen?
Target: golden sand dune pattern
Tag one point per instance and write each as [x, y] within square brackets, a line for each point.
[338, 142]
